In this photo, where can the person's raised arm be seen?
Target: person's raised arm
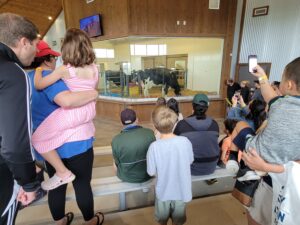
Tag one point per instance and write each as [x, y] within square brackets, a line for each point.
[41, 82]
[68, 99]
[266, 90]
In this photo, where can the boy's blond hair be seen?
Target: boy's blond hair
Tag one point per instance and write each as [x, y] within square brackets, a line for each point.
[164, 119]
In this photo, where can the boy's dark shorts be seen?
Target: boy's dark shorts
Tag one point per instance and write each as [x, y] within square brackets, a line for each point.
[241, 139]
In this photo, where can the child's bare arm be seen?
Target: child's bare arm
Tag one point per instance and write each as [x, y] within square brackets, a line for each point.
[43, 82]
[266, 90]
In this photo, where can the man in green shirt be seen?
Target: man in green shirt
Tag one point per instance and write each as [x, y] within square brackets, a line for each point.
[130, 148]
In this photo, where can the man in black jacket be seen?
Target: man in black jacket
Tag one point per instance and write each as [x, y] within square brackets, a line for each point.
[232, 87]
[18, 39]
[203, 133]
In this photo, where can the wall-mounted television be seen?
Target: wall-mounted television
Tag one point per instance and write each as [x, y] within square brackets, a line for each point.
[92, 25]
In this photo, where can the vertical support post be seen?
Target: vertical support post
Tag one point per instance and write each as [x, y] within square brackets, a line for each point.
[122, 201]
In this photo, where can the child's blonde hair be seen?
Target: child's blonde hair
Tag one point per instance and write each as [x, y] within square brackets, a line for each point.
[164, 119]
[77, 49]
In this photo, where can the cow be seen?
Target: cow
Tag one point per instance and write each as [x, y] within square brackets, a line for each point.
[157, 76]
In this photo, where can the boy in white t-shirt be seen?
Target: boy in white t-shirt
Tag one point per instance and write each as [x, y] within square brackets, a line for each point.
[169, 159]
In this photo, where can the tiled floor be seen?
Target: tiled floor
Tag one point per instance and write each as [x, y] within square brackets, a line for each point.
[214, 210]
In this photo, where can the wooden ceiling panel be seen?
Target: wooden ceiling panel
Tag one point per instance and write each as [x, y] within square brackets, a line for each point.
[37, 11]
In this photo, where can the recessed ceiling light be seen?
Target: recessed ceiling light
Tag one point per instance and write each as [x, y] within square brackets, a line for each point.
[39, 35]
[50, 18]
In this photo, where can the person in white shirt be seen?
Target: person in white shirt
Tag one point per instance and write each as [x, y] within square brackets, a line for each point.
[169, 159]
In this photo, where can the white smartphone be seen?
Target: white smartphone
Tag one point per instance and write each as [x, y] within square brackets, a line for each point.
[252, 60]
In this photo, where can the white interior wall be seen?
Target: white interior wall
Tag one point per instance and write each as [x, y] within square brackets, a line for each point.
[273, 38]
[55, 35]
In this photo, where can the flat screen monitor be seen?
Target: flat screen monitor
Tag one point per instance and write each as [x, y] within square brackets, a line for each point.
[92, 25]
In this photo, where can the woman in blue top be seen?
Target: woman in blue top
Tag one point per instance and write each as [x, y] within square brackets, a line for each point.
[77, 156]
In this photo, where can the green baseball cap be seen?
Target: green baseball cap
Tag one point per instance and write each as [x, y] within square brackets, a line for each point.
[200, 98]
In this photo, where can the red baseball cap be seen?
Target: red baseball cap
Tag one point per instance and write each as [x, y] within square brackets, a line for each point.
[44, 49]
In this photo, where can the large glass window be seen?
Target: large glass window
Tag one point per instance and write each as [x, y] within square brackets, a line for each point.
[140, 67]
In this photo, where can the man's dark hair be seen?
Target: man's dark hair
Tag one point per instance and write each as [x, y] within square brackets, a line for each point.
[257, 113]
[14, 27]
[39, 60]
[292, 72]
[173, 104]
[230, 124]
[200, 110]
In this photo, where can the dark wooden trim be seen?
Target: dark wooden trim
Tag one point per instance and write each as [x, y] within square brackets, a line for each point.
[228, 46]
[240, 39]
[65, 14]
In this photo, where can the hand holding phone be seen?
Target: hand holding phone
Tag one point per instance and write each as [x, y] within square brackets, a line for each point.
[237, 95]
[252, 61]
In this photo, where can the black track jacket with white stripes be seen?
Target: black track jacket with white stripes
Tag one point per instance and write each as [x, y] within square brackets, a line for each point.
[16, 151]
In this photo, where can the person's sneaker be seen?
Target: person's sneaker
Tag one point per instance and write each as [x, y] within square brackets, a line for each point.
[232, 166]
[249, 175]
[57, 181]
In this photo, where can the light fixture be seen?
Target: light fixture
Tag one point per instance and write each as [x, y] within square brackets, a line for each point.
[50, 18]
[39, 35]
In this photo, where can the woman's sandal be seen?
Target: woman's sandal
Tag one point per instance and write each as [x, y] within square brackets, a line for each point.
[100, 218]
[69, 216]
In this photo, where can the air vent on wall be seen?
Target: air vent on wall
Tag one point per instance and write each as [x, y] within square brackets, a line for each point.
[214, 4]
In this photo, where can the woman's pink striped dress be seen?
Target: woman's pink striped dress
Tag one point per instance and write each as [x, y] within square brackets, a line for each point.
[67, 125]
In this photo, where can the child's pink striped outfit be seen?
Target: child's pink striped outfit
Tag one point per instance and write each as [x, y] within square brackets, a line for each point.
[67, 125]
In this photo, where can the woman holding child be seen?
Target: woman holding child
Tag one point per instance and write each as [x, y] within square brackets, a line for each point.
[77, 52]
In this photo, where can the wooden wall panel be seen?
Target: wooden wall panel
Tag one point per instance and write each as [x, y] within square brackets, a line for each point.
[153, 17]
[160, 17]
[228, 45]
[36, 11]
[112, 109]
[114, 15]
